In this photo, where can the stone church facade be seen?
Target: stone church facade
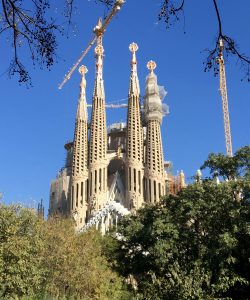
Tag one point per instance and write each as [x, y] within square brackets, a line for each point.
[123, 162]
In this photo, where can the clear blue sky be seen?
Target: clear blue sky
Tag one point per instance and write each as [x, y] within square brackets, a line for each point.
[36, 122]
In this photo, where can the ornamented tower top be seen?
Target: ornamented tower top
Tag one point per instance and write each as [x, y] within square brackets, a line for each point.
[134, 88]
[82, 111]
[99, 88]
[152, 105]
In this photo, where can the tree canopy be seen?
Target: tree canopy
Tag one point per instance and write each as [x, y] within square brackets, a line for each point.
[47, 260]
[21, 243]
[194, 245]
[228, 167]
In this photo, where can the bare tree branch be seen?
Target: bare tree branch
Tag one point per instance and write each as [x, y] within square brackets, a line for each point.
[170, 12]
[29, 27]
[230, 49]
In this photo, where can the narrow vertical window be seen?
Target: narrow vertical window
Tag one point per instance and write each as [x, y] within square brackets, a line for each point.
[100, 179]
[81, 189]
[90, 184]
[129, 177]
[139, 181]
[104, 179]
[144, 188]
[149, 184]
[154, 190]
[77, 190]
[72, 198]
[95, 180]
[135, 180]
[86, 190]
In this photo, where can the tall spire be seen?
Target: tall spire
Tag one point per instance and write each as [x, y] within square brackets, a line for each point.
[79, 176]
[154, 170]
[82, 111]
[134, 149]
[98, 138]
[99, 86]
[134, 88]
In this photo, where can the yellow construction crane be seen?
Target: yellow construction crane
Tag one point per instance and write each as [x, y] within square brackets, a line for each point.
[98, 31]
[223, 91]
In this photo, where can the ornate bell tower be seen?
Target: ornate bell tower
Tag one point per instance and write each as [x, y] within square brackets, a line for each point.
[79, 173]
[98, 139]
[154, 171]
[134, 150]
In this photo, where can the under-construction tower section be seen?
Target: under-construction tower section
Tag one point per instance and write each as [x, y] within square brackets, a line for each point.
[154, 170]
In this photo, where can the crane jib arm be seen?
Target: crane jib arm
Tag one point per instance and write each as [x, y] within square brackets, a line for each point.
[98, 32]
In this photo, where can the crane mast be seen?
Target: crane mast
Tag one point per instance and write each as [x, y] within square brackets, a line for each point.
[223, 91]
[98, 31]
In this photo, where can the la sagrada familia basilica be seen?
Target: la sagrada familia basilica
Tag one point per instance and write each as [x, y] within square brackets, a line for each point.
[118, 169]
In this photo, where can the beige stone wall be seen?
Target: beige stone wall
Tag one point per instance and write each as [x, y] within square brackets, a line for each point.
[59, 189]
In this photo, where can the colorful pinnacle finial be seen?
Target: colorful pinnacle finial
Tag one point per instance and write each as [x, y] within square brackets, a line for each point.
[133, 47]
[82, 113]
[83, 70]
[151, 65]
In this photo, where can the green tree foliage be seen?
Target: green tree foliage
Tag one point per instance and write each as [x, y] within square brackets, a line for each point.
[195, 245]
[48, 260]
[76, 266]
[21, 243]
[230, 167]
